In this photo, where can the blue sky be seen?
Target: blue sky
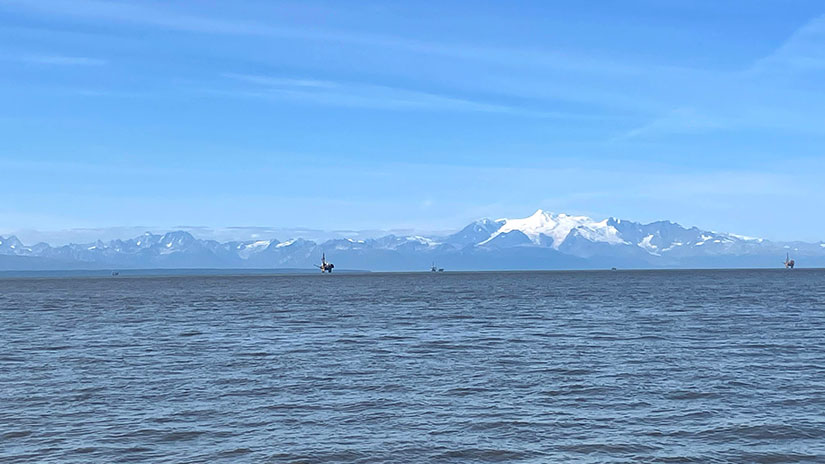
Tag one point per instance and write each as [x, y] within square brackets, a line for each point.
[226, 116]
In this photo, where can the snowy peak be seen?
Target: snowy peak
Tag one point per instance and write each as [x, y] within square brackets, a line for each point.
[583, 236]
[557, 227]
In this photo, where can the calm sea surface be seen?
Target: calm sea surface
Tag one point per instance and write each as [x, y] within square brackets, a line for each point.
[660, 366]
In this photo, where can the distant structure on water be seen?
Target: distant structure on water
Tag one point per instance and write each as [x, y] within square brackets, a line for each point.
[435, 268]
[325, 266]
[789, 263]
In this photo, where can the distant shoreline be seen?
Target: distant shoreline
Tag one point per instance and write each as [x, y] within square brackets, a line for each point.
[131, 273]
[186, 272]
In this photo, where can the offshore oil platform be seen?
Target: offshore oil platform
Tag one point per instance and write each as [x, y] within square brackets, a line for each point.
[325, 266]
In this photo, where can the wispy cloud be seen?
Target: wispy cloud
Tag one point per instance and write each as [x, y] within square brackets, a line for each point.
[526, 72]
[53, 60]
[58, 237]
[140, 13]
[678, 121]
[281, 82]
[804, 50]
[57, 60]
[361, 95]
[773, 93]
[707, 101]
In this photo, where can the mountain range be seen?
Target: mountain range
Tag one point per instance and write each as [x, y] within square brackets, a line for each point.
[541, 241]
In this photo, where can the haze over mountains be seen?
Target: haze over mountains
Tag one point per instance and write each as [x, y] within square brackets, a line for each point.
[541, 241]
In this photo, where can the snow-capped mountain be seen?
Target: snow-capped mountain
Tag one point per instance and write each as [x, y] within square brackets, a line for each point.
[541, 241]
[543, 228]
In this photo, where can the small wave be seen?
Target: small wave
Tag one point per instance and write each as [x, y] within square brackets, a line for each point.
[484, 455]
[183, 435]
[690, 395]
[610, 448]
[16, 434]
[234, 452]
[253, 354]
[765, 432]
[190, 333]
[84, 450]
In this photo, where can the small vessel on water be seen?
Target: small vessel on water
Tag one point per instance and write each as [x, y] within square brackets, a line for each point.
[435, 268]
[325, 266]
[789, 263]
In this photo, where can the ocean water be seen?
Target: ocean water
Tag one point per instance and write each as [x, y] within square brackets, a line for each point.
[659, 366]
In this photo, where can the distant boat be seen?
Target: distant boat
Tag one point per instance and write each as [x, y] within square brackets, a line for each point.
[434, 268]
[115, 273]
[789, 263]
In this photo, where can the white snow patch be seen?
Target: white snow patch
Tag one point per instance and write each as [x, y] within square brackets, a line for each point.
[285, 244]
[647, 244]
[423, 240]
[673, 245]
[246, 250]
[747, 238]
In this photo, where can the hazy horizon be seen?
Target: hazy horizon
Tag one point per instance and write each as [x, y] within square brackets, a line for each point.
[247, 233]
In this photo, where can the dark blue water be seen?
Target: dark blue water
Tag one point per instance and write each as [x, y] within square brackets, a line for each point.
[665, 366]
